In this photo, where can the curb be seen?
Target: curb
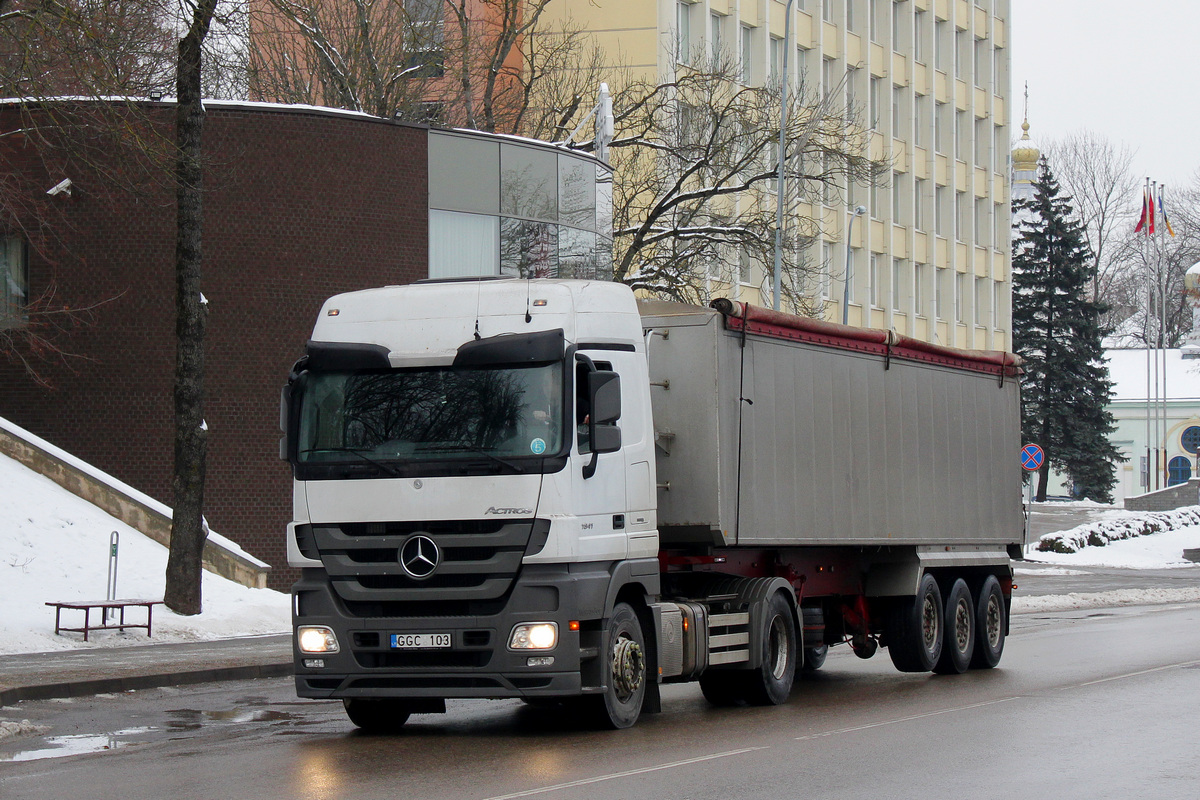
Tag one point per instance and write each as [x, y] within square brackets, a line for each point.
[84, 688]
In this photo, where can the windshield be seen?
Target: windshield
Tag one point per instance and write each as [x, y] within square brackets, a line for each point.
[431, 414]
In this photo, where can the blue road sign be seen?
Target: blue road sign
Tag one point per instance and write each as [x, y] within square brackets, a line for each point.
[1032, 458]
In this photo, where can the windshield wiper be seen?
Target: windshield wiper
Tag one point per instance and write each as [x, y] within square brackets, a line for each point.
[465, 448]
[359, 452]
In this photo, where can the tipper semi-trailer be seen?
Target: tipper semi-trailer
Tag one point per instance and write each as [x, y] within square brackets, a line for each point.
[550, 490]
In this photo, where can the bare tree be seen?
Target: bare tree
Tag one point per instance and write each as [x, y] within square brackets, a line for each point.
[1098, 175]
[697, 164]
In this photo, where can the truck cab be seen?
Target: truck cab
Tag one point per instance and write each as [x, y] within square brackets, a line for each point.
[473, 495]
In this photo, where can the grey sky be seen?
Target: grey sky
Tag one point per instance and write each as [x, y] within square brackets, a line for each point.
[1125, 70]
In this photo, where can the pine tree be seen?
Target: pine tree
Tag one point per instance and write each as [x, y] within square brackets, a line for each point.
[1057, 331]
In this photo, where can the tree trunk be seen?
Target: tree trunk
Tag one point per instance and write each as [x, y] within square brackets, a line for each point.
[188, 533]
[1043, 480]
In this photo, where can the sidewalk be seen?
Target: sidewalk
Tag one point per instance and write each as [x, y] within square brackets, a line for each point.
[76, 673]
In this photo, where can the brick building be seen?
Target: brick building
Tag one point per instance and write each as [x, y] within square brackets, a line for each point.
[301, 203]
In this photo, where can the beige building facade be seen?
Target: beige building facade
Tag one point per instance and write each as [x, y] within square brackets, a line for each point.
[929, 257]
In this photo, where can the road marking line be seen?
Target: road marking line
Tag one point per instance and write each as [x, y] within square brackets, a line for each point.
[626, 774]
[903, 719]
[1181, 665]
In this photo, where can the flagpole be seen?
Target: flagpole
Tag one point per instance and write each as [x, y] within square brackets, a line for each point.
[1164, 270]
[1146, 328]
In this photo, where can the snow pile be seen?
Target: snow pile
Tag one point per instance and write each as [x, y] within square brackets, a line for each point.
[1117, 597]
[22, 728]
[1127, 526]
[54, 546]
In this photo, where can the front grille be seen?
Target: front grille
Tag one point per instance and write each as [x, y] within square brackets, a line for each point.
[479, 561]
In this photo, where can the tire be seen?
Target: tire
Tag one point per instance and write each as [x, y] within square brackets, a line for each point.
[771, 683]
[724, 687]
[814, 657]
[914, 629]
[620, 705]
[991, 621]
[377, 715]
[958, 638]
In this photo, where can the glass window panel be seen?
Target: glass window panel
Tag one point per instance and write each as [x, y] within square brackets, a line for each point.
[576, 192]
[528, 249]
[528, 183]
[576, 253]
[463, 245]
[14, 281]
[464, 173]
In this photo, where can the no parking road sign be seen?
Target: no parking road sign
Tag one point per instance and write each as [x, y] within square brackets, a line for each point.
[1032, 458]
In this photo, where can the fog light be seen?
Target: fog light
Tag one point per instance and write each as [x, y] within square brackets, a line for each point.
[316, 639]
[314, 663]
[534, 636]
[539, 661]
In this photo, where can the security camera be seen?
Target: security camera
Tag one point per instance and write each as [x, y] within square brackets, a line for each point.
[62, 186]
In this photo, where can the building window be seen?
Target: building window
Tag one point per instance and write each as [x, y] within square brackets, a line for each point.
[982, 228]
[851, 17]
[714, 37]
[776, 55]
[745, 272]
[941, 34]
[747, 54]
[1189, 440]
[918, 203]
[874, 101]
[962, 130]
[425, 57]
[827, 270]
[939, 126]
[874, 21]
[897, 22]
[981, 300]
[962, 43]
[939, 210]
[827, 10]
[921, 108]
[14, 275]
[960, 297]
[1179, 470]
[919, 37]
[873, 281]
[982, 140]
[939, 292]
[919, 290]
[683, 30]
[960, 216]
[981, 62]
[897, 294]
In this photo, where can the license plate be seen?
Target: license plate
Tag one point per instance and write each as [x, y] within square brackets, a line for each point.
[421, 641]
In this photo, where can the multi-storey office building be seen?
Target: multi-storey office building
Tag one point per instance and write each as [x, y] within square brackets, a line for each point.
[930, 78]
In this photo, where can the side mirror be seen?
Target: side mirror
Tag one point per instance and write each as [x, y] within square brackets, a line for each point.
[604, 404]
[604, 393]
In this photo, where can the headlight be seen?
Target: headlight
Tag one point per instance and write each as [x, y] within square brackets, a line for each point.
[316, 639]
[534, 636]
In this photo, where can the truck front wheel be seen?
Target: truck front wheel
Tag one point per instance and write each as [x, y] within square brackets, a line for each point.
[914, 629]
[625, 678]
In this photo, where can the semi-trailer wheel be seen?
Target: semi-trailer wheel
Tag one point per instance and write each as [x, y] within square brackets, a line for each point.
[620, 705]
[990, 623]
[771, 683]
[814, 657]
[377, 715]
[914, 629]
[958, 644]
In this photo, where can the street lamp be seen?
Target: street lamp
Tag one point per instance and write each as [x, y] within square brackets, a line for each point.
[783, 98]
[858, 212]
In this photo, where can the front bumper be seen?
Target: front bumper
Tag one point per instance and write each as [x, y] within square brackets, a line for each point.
[478, 663]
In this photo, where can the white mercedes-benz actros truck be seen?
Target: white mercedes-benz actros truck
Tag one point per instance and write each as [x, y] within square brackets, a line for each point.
[548, 490]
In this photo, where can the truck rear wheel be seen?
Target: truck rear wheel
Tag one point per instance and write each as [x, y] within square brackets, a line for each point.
[914, 629]
[377, 715]
[990, 624]
[771, 683]
[958, 644]
[620, 705]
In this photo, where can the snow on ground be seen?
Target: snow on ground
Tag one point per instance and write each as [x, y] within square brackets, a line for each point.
[54, 547]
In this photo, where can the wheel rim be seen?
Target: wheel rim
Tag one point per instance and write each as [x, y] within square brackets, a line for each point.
[962, 625]
[777, 648]
[993, 622]
[929, 623]
[628, 667]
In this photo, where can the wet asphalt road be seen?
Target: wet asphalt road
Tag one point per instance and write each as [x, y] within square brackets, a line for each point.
[1085, 704]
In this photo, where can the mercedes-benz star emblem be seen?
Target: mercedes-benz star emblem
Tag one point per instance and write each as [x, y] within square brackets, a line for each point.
[419, 556]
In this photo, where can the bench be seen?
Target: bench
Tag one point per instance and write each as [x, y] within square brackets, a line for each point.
[87, 606]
